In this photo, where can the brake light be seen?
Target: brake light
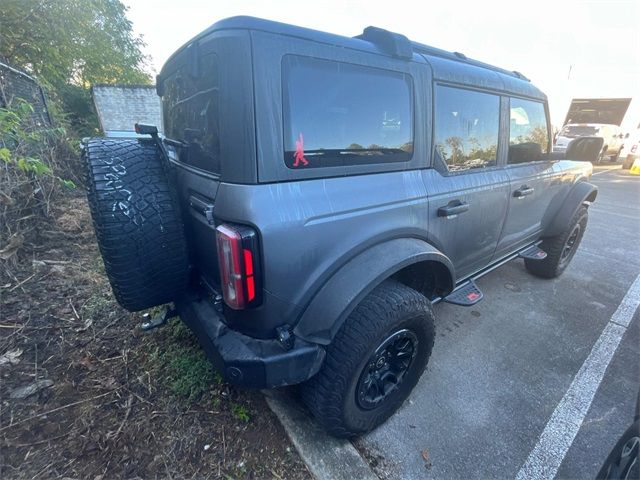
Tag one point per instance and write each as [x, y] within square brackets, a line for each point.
[238, 259]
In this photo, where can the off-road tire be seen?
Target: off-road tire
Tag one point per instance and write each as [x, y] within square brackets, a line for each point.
[556, 262]
[331, 394]
[137, 222]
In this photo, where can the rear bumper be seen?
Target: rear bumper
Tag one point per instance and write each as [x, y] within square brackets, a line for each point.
[244, 360]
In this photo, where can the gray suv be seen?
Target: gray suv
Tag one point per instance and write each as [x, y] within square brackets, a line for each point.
[314, 195]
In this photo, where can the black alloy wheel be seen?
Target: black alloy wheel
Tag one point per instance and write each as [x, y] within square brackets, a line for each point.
[384, 372]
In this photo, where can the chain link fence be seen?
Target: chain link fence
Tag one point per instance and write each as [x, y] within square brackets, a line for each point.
[15, 84]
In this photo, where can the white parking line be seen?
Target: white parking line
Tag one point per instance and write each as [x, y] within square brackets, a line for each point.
[563, 426]
[606, 171]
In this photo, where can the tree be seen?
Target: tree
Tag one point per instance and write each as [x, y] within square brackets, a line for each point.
[70, 45]
[457, 150]
[78, 42]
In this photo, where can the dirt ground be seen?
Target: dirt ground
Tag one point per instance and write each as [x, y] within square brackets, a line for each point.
[84, 393]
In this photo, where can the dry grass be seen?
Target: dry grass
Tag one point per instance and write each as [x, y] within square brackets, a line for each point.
[121, 403]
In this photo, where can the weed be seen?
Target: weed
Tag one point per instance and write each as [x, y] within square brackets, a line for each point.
[190, 372]
[96, 265]
[179, 331]
[182, 363]
[99, 304]
[240, 412]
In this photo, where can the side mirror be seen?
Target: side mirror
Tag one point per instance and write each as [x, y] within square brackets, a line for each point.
[585, 149]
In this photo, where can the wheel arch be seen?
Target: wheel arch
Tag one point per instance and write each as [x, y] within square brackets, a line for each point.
[582, 192]
[411, 261]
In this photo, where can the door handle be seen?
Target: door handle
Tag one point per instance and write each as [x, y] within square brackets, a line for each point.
[454, 207]
[523, 191]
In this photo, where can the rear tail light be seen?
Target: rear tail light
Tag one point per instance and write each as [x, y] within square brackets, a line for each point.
[239, 261]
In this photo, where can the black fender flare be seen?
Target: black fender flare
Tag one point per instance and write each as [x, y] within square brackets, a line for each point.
[337, 298]
[580, 193]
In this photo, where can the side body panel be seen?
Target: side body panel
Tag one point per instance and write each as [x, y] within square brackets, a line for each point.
[310, 229]
[526, 217]
[470, 238]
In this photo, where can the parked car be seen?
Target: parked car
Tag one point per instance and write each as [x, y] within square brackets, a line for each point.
[315, 195]
[611, 135]
[623, 462]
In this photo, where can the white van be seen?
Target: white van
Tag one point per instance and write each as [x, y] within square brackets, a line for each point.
[611, 134]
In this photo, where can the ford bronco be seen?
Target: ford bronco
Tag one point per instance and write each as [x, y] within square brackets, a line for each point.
[312, 196]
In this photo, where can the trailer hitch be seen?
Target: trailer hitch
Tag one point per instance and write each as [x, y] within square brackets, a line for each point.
[158, 320]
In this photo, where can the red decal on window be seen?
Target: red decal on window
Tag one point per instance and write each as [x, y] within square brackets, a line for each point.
[299, 155]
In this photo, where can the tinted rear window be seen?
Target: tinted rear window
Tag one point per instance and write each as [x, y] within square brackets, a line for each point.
[466, 128]
[528, 132]
[190, 107]
[339, 114]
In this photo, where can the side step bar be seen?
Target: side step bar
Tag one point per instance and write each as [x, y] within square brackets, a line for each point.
[534, 252]
[467, 293]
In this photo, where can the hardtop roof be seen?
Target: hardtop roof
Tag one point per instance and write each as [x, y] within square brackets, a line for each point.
[447, 66]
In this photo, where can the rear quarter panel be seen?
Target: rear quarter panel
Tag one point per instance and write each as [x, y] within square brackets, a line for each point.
[308, 229]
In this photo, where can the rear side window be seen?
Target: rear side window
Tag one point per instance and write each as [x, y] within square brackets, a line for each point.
[190, 108]
[528, 132]
[338, 114]
[466, 128]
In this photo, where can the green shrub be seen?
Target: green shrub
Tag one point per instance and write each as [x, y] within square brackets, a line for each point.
[36, 163]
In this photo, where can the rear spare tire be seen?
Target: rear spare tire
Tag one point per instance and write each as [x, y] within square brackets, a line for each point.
[137, 221]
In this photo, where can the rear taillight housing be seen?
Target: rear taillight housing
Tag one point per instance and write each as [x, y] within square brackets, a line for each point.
[239, 261]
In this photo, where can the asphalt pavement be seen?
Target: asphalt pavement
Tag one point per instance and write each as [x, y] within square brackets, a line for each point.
[526, 383]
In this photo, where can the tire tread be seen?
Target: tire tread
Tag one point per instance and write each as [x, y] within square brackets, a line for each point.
[324, 393]
[137, 222]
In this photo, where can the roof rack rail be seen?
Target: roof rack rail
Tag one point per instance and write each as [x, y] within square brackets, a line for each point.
[521, 76]
[398, 45]
[394, 44]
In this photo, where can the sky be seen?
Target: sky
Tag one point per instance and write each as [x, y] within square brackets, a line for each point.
[568, 48]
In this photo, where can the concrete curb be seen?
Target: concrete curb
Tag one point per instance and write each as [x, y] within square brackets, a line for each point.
[327, 458]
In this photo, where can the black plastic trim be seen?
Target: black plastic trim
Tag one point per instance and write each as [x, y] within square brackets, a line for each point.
[244, 360]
